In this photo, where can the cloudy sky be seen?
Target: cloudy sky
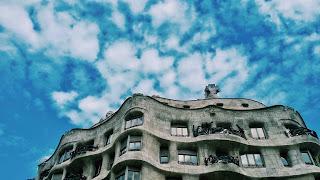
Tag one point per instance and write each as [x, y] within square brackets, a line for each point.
[65, 63]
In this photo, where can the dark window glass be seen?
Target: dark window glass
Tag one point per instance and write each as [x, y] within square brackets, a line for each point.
[164, 155]
[134, 175]
[220, 104]
[120, 177]
[97, 166]
[123, 146]
[66, 155]
[245, 105]
[284, 159]
[108, 137]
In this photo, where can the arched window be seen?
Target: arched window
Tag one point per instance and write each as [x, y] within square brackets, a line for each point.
[133, 119]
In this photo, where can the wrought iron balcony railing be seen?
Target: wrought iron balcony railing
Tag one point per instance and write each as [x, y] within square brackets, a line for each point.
[206, 129]
[82, 149]
[301, 131]
[225, 159]
[72, 176]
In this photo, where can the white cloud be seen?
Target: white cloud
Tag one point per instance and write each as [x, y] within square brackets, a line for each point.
[168, 79]
[118, 19]
[190, 72]
[225, 63]
[60, 33]
[121, 56]
[16, 20]
[151, 62]
[62, 98]
[300, 10]
[67, 35]
[146, 87]
[172, 11]
[135, 6]
[92, 105]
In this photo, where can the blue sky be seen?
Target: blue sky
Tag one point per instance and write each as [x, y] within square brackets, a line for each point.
[64, 64]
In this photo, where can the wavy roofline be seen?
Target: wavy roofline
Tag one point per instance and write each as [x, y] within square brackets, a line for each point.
[153, 98]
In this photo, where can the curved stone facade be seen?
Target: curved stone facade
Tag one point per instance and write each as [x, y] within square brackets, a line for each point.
[153, 138]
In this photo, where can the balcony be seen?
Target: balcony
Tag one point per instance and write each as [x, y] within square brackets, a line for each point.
[206, 129]
[225, 159]
[82, 150]
[75, 177]
[298, 131]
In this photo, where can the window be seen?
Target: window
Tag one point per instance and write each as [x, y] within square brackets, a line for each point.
[65, 155]
[284, 159]
[306, 157]
[134, 174]
[186, 106]
[56, 176]
[111, 160]
[123, 146]
[134, 119]
[220, 104]
[164, 155]
[257, 133]
[135, 143]
[251, 160]
[97, 167]
[245, 105]
[121, 176]
[187, 157]
[108, 137]
[129, 173]
[179, 130]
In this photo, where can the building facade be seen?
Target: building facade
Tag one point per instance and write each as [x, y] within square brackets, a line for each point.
[154, 138]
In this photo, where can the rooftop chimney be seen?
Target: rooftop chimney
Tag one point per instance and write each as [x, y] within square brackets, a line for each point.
[211, 91]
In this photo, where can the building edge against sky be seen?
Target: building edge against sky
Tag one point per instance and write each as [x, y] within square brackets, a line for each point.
[212, 138]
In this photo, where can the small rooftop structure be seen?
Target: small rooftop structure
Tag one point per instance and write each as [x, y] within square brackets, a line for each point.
[211, 91]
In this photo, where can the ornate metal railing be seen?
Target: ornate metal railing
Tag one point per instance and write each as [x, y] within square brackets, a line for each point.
[82, 149]
[206, 129]
[301, 131]
[72, 176]
[44, 174]
[213, 159]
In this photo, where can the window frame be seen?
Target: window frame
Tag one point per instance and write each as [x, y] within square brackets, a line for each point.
[180, 130]
[135, 140]
[108, 137]
[164, 153]
[255, 131]
[65, 154]
[124, 174]
[252, 161]
[285, 160]
[308, 155]
[134, 119]
[123, 146]
[187, 156]
[97, 167]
